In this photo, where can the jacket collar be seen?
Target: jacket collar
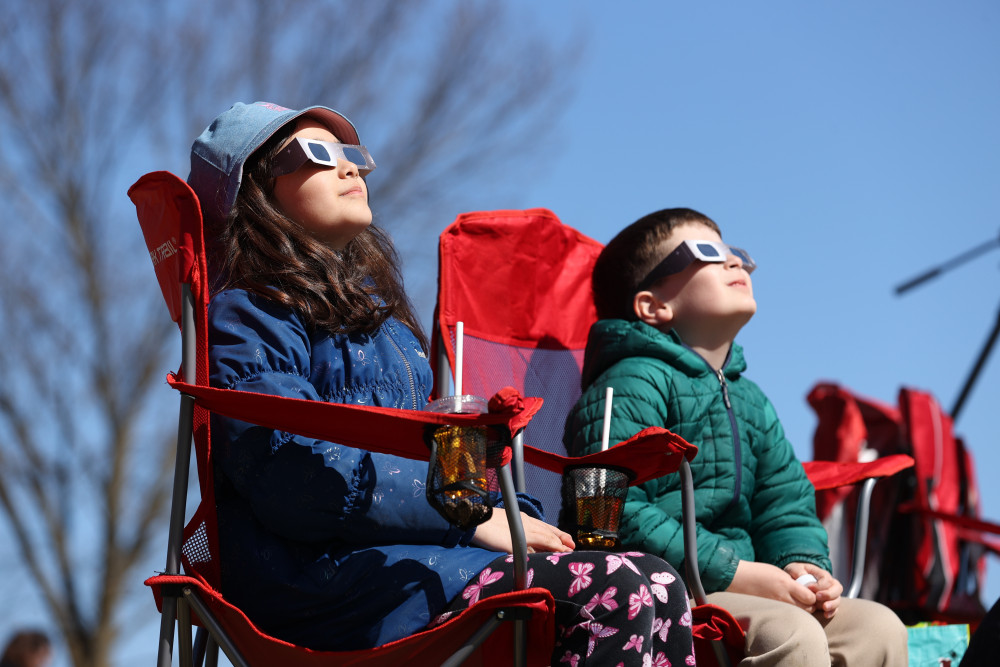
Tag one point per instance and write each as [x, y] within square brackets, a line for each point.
[612, 340]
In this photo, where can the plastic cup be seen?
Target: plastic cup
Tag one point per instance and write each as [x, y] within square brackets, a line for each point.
[457, 482]
[599, 495]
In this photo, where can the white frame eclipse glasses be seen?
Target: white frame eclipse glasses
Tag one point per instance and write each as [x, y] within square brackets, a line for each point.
[690, 251]
[324, 153]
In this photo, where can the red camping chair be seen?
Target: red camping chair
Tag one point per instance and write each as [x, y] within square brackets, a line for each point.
[170, 217]
[930, 514]
[533, 339]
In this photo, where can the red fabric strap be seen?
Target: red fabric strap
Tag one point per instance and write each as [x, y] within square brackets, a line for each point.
[830, 474]
[386, 430]
[650, 453]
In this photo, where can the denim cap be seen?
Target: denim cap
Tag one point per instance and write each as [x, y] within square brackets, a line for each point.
[218, 155]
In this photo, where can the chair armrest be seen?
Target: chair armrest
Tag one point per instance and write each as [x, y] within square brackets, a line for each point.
[384, 430]
[658, 450]
[831, 474]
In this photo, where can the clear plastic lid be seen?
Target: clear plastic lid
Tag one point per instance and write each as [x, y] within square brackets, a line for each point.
[465, 404]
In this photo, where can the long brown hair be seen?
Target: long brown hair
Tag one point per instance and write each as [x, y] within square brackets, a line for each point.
[263, 251]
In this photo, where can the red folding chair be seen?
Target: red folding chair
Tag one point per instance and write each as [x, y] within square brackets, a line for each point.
[930, 514]
[170, 217]
[520, 281]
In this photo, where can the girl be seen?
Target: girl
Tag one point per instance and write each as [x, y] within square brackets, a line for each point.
[328, 546]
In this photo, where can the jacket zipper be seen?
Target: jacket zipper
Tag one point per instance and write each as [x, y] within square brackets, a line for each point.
[737, 448]
[406, 364]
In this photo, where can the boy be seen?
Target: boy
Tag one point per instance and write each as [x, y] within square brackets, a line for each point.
[672, 297]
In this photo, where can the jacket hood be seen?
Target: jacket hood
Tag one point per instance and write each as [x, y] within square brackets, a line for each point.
[612, 340]
[218, 154]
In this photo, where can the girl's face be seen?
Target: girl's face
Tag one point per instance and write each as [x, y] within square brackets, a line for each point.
[331, 203]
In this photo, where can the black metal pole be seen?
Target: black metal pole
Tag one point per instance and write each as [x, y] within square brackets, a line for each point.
[976, 369]
[990, 340]
[950, 264]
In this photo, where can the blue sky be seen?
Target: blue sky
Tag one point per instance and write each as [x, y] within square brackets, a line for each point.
[848, 146]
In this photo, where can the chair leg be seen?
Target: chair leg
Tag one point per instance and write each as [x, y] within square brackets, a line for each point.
[860, 538]
[185, 656]
[211, 652]
[168, 616]
[200, 643]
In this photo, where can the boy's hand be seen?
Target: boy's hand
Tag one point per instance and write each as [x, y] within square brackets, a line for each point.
[494, 534]
[769, 581]
[826, 588]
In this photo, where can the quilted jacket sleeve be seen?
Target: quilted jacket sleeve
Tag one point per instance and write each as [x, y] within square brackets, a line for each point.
[301, 488]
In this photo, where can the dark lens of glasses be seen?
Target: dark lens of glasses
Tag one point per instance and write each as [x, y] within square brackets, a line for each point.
[354, 155]
[319, 152]
[708, 250]
[739, 253]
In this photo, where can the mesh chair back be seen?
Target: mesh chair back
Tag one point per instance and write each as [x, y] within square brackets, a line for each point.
[520, 283]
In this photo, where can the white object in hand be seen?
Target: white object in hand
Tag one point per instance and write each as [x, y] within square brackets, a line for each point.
[806, 579]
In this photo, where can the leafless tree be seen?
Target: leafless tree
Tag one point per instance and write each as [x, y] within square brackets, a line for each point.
[450, 96]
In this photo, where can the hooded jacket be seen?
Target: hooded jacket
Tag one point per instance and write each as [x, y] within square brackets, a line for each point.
[753, 500]
[324, 545]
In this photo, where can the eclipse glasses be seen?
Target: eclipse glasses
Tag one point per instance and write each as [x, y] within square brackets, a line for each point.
[690, 251]
[325, 153]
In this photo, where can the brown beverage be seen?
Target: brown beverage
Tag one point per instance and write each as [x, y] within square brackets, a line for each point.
[598, 518]
[461, 452]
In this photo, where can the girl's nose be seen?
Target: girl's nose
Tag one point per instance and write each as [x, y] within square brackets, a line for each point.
[346, 168]
[732, 259]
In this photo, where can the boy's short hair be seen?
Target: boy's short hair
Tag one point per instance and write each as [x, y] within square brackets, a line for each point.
[632, 254]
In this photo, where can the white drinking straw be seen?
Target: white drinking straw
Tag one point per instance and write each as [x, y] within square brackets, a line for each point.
[459, 334]
[607, 418]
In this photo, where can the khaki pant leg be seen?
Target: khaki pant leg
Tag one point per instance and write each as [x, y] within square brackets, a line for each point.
[777, 633]
[861, 634]
[866, 634]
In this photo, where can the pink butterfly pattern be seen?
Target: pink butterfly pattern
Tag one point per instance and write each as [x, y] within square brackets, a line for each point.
[486, 577]
[581, 577]
[605, 599]
[635, 641]
[638, 600]
[572, 658]
[649, 616]
[659, 586]
[597, 633]
[659, 661]
[615, 561]
[661, 627]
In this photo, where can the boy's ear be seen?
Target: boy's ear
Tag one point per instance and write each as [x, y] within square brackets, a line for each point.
[651, 310]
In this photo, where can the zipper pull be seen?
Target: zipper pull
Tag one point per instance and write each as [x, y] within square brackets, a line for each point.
[725, 388]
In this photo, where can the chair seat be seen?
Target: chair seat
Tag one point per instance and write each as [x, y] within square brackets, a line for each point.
[432, 646]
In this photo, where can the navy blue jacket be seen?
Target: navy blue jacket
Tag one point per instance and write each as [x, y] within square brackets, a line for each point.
[324, 545]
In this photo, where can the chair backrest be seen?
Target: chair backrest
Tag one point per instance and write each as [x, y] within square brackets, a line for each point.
[171, 221]
[520, 281]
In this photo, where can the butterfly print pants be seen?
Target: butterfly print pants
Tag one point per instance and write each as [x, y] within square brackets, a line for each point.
[611, 608]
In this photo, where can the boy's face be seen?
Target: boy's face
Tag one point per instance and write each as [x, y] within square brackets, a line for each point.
[706, 300]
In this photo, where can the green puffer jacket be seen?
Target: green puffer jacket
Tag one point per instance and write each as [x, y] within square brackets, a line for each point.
[754, 501]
